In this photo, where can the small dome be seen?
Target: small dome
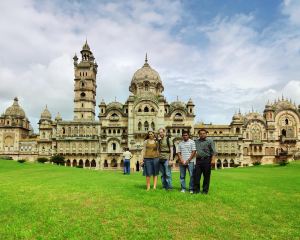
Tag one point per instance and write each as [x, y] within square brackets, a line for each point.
[190, 102]
[284, 105]
[102, 103]
[115, 105]
[15, 110]
[58, 117]
[46, 114]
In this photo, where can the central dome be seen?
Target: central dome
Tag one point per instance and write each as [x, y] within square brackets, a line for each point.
[146, 80]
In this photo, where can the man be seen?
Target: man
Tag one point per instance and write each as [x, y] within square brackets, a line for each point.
[205, 156]
[186, 155]
[165, 159]
[127, 156]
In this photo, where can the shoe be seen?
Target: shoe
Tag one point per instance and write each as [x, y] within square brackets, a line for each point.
[183, 190]
[204, 193]
[191, 192]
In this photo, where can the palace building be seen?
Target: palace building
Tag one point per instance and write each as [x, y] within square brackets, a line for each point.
[98, 143]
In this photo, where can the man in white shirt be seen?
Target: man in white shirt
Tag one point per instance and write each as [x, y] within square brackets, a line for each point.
[127, 156]
[186, 154]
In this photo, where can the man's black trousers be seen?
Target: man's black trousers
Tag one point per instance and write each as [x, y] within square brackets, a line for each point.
[203, 166]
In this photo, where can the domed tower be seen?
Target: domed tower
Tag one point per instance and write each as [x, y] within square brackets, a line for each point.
[45, 125]
[14, 126]
[237, 123]
[190, 107]
[102, 108]
[85, 85]
[269, 113]
[45, 133]
[146, 81]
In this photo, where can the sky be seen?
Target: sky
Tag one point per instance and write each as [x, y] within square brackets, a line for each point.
[224, 54]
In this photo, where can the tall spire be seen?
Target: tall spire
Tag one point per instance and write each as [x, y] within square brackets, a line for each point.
[146, 64]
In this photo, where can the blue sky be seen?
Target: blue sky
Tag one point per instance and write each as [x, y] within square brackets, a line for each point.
[226, 55]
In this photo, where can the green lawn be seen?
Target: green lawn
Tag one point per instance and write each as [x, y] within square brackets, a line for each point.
[42, 201]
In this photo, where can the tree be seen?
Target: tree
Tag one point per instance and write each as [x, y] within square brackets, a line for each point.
[58, 159]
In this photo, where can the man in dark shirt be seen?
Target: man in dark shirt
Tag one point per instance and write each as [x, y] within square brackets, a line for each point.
[206, 152]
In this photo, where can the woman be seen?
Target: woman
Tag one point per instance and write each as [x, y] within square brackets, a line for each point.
[150, 159]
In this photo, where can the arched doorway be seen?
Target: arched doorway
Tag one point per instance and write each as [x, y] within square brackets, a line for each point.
[225, 163]
[231, 164]
[74, 163]
[113, 163]
[68, 163]
[93, 163]
[137, 166]
[80, 163]
[122, 163]
[87, 163]
[105, 164]
[219, 164]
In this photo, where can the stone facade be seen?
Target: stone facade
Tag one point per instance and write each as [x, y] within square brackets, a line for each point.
[87, 142]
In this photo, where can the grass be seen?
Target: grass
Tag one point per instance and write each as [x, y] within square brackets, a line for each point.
[42, 201]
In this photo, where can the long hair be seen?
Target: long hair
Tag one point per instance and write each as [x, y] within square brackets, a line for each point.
[147, 136]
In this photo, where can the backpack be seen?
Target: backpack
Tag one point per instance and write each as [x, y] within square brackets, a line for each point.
[169, 144]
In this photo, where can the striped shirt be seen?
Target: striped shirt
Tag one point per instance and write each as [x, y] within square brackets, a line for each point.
[186, 149]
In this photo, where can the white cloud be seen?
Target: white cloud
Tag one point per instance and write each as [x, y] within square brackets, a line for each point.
[291, 8]
[239, 66]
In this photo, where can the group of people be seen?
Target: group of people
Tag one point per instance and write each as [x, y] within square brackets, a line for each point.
[194, 156]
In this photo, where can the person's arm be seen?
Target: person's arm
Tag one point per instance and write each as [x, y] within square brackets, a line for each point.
[213, 151]
[179, 155]
[143, 151]
[193, 152]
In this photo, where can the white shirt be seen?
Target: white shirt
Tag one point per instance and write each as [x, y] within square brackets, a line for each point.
[127, 155]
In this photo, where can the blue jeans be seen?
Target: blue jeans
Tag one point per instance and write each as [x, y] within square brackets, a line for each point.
[190, 168]
[166, 174]
[126, 166]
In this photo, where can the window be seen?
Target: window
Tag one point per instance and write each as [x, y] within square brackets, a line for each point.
[82, 104]
[146, 109]
[114, 146]
[146, 126]
[152, 110]
[82, 94]
[140, 126]
[153, 126]
[286, 121]
[140, 110]
[82, 84]
[146, 87]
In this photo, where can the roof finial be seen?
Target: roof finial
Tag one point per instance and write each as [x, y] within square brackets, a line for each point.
[177, 99]
[146, 58]
[115, 99]
[282, 98]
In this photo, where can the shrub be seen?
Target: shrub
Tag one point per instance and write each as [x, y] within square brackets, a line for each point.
[283, 162]
[6, 158]
[257, 163]
[42, 160]
[21, 160]
[58, 159]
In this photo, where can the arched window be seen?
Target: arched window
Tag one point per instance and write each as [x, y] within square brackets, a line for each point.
[152, 110]
[114, 115]
[82, 94]
[63, 130]
[140, 110]
[178, 115]
[114, 146]
[82, 84]
[146, 126]
[237, 130]
[140, 126]
[146, 109]
[286, 121]
[153, 126]
[146, 87]
[82, 104]
[283, 132]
